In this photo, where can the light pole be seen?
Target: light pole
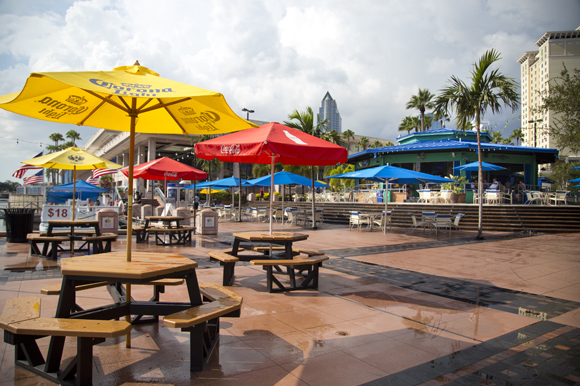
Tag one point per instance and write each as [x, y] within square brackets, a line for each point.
[248, 113]
[535, 123]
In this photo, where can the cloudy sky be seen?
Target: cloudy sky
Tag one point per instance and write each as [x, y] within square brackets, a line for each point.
[271, 56]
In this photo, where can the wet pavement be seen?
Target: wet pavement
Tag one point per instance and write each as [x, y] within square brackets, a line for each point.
[395, 309]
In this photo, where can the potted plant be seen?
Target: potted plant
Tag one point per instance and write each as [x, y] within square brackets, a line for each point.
[456, 187]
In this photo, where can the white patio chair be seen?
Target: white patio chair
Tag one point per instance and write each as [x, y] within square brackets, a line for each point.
[279, 215]
[357, 221]
[445, 196]
[291, 214]
[424, 196]
[534, 197]
[384, 221]
[455, 223]
[442, 221]
[559, 196]
[416, 223]
[493, 196]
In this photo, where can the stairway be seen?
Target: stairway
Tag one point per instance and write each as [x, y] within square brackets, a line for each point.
[502, 218]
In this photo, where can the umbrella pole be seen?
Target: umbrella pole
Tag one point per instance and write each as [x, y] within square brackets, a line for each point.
[240, 198]
[386, 198]
[130, 209]
[271, 195]
[283, 210]
[72, 240]
[313, 203]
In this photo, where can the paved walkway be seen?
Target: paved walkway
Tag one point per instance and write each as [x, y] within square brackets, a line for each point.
[395, 309]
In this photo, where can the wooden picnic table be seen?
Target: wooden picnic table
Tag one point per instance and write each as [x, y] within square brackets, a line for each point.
[284, 239]
[113, 267]
[175, 237]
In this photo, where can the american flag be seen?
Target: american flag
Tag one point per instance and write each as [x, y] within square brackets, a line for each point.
[22, 170]
[93, 180]
[35, 179]
[103, 172]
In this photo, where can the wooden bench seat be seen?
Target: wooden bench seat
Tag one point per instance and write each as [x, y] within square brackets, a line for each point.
[78, 232]
[175, 235]
[50, 245]
[297, 251]
[228, 261]
[202, 322]
[96, 242]
[23, 326]
[310, 264]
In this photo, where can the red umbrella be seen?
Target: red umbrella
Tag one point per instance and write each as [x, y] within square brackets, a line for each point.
[165, 169]
[271, 143]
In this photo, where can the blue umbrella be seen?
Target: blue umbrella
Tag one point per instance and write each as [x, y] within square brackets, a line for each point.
[229, 182]
[392, 174]
[577, 167]
[474, 166]
[575, 180]
[285, 178]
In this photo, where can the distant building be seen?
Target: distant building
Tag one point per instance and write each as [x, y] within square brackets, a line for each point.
[329, 110]
[537, 68]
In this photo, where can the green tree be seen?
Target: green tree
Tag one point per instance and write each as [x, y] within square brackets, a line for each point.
[56, 138]
[441, 117]
[338, 184]
[73, 135]
[377, 144]
[496, 137]
[333, 136]
[363, 142]
[348, 135]
[489, 90]
[304, 121]
[409, 123]
[422, 101]
[517, 135]
[562, 100]
[9, 186]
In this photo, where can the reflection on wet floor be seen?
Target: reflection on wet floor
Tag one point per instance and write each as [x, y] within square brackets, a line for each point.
[462, 290]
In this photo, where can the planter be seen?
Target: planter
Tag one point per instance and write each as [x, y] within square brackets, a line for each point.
[458, 198]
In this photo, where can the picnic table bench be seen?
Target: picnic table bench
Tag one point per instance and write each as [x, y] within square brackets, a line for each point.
[202, 322]
[228, 261]
[310, 264]
[50, 245]
[23, 326]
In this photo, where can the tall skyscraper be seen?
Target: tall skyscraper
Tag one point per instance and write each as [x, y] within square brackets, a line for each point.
[328, 110]
[537, 68]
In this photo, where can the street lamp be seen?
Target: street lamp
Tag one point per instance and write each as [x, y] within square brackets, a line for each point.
[247, 111]
[535, 123]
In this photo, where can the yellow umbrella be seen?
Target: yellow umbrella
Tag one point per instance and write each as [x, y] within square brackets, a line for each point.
[213, 190]
[72, 158]
[129, 98]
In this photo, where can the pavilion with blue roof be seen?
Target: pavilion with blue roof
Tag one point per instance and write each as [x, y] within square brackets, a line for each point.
[437, 152]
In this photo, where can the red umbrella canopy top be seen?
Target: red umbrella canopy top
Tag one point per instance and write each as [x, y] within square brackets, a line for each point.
[258, 145]
[165, 169]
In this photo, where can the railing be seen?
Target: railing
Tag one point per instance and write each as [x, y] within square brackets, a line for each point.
[159, 193]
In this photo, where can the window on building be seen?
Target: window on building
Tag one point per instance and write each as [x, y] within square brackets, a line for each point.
[573, 48]
[557, 49]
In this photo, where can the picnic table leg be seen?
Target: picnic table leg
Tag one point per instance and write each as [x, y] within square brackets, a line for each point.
[193, 289]
[66, 303]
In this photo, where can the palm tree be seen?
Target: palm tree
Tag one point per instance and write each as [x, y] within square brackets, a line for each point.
[348, 135]
[304, 121]
[377, 144]
[428, 121]
[363, 142]
[409, 123]
[56, 138]
[441, 117]
[333, 136]
[421, 102]
[488, 90]
[73, 136]
[517, 134]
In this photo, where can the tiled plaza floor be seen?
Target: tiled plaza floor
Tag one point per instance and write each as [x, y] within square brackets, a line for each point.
[395, 309]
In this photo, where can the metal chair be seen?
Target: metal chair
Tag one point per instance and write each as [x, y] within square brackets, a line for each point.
[357, 221]
[559, 196]
[455, 223]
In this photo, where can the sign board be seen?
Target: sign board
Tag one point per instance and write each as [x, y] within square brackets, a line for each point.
[56, 212]
[107, 223]
[209, 222]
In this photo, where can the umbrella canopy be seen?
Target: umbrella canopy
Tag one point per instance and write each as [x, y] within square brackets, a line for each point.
[80, 187]
[165, 169]
[285, 178]
[116, 99]
[574, 180]
[474, 166]
[271, 143]
[72, 158]
[229, 182]
[577, 167]
[392, 174]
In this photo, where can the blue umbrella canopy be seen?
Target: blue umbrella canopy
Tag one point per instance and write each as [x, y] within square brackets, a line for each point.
[577, 167]
[79, 186]
[223, 183]
[474, 166]
[392, 174]
[575, 180]
[285, 178]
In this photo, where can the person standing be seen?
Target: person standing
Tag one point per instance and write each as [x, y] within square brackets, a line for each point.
[261, 194]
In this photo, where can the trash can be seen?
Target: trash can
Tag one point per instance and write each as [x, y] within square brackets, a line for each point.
[380, 196]
[207, 222]
[19, 223]
[108, 220]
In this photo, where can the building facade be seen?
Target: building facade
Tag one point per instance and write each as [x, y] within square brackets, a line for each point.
[329, 110]
[556, 49]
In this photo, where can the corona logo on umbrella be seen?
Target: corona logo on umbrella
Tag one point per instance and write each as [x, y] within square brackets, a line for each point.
[76, 159]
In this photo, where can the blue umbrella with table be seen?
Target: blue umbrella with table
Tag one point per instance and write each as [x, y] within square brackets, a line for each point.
[224, 183]
[474, 166]
[392, 174]
[285, 178]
